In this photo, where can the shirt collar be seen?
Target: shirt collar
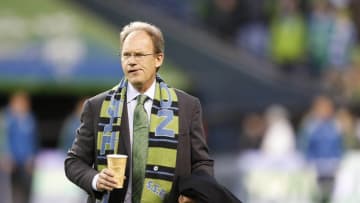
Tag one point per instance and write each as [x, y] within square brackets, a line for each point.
[132, 93]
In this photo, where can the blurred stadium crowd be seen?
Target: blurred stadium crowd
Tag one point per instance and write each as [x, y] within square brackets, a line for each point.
[314, 159]
[305, 38]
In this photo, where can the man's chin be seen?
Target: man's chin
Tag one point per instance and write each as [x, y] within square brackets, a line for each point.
[135, 83]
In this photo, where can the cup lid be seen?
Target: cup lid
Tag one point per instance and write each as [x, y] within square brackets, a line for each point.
[117, 155]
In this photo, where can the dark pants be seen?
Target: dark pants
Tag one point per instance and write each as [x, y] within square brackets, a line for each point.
[20, 185]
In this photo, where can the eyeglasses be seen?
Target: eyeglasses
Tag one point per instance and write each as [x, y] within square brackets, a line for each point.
[137, 56]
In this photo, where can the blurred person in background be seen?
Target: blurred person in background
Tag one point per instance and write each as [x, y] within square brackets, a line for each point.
[279, 133]
[288, 36]
[321, 141]
[347, 125]
[68, 130]
[319, 28]
[21, 137]
[342, 36]
[252, 132]
[5, 167]
[347, 179]
[277, 172]
[252, 33]
[176, 143]
[49, 180]
[340, 47]
[351, 80]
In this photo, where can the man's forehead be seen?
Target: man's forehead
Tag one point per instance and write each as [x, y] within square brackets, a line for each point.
[137, 35]
[137, 40]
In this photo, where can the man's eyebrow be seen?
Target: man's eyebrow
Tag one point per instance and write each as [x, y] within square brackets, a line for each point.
[135, 52]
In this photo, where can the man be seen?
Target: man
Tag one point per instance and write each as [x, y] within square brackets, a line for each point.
[174, 139]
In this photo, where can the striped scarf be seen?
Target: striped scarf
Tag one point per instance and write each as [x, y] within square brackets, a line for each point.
[163, 137]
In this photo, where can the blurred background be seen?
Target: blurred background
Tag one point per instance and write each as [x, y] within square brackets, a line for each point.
[279, 81]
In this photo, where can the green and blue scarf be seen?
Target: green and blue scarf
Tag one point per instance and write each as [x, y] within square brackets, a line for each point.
[163, 137]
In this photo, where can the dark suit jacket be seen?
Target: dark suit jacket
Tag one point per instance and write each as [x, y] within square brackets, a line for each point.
[192, 152]
[202, 189]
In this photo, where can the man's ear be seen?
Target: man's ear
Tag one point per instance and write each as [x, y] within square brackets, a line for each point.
[159, 58]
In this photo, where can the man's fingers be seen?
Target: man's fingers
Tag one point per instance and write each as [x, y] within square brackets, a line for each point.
[184, 199]
[106, 180]
[108, 172]
[105, 186]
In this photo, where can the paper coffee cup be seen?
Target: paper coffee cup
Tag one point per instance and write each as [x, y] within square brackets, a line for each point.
[117, 163]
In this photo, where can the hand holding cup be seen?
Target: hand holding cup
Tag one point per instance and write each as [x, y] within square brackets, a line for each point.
[117, 164]
[106, 180]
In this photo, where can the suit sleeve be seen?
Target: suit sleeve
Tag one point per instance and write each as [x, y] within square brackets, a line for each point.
[80, 159]
[200, 160]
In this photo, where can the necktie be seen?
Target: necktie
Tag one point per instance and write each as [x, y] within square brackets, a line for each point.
[140, 146]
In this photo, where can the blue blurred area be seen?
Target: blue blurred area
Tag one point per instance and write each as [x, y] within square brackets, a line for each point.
[93, 63]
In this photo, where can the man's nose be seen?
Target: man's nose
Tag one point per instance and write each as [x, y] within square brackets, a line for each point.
[131, 61]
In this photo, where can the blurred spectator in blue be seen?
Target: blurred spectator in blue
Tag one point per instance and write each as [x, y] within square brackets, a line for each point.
[20, 128]
[252, 34]
[277, 173]
[288, 36]
[322, 142]
[342, 36]
[340, 47]
[68, 130]
[320, 24]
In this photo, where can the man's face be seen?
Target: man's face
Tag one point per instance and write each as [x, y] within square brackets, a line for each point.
[139, 61]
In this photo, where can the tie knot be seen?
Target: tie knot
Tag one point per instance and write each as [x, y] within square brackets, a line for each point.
[141, 99]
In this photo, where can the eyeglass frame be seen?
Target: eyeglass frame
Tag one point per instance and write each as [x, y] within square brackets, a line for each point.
[137, 56]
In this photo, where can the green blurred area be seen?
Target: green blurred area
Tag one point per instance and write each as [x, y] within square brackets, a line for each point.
[88, 24]
[174, 76]
[44, 19]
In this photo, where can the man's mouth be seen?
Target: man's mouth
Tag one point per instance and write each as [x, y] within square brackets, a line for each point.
[133, 70]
